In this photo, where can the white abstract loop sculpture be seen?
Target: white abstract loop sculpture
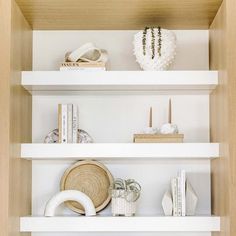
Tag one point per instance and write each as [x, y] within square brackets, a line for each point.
[70, 195]
[155, 48]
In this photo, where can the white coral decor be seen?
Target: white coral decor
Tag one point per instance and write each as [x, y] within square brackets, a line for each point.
[159, 57]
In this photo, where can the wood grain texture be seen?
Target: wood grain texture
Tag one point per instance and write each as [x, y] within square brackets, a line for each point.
[5, 25]
[158, 138]
[223, 113]
[15, 118]
[118, 14]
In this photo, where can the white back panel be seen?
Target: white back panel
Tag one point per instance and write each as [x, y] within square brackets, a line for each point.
[115, 118]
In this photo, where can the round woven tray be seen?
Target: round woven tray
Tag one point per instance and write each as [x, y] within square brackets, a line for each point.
[91, 178]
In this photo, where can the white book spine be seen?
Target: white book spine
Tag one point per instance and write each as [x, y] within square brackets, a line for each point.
[174, 195]
[179, 200]
[74, 123]
[183, 191]
[69, 123]
[59, 122]
[64, 123]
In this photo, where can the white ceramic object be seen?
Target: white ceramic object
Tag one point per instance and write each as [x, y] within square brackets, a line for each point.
[120, 206]
[167, 204]
[150, 130]
[88, 53]
[82, 137]
[169, 129]
[191, 200]
[70, 195]
[168, 49]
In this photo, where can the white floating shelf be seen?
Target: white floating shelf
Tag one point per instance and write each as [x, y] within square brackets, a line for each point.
[155, 82]
[120, 224]
[114, 151]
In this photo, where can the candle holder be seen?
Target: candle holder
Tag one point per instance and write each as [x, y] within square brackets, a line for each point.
[168, 133]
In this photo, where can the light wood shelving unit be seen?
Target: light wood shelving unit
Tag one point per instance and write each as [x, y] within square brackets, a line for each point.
[190, 14]
[19, 18]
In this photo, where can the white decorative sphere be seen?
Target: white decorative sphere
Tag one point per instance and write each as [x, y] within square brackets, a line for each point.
[169, 129]
[164, 48]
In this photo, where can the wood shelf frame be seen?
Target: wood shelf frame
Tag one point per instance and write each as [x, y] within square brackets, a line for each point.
[135, 14]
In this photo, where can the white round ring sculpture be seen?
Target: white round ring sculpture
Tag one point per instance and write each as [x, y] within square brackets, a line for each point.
[70, 195]
[155, 48]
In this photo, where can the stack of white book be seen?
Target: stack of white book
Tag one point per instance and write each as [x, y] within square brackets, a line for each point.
[178, 189]
[83, 66]
[68, 123]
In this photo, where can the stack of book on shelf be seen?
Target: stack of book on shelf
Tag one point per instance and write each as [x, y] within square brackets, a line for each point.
[67, 123]
[83, 66]
[178, 188]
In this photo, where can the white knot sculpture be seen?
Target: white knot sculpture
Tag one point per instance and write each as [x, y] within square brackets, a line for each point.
[155, 48]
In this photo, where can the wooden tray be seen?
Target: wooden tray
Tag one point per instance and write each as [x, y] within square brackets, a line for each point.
[158, 138]
[91, 178]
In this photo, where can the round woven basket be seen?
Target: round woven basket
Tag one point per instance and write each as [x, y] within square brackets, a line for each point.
[91, 178]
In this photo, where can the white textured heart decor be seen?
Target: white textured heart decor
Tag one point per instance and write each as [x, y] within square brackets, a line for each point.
[155, 48]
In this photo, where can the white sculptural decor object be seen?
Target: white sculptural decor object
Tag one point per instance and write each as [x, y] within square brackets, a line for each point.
[82, 137]
[155, 48]
[191, 200]
[87, 53]
[70, 195]
[167, 204]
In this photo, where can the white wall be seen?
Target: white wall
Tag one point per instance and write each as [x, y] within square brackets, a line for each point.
[50, 47]
[114, 118]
